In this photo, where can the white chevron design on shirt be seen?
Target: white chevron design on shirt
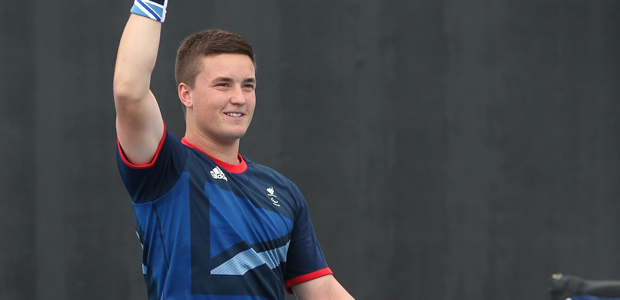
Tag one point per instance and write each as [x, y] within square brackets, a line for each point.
[250, 259]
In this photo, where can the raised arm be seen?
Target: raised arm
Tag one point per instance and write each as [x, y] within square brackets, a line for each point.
[139, 124]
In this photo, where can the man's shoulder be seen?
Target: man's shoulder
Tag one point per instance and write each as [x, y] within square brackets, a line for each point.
[263, 170]
[256, 167]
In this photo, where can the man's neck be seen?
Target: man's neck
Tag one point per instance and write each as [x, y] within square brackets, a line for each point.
[225, 152]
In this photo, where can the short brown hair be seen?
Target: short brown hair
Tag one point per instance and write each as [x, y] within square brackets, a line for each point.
[205, 43]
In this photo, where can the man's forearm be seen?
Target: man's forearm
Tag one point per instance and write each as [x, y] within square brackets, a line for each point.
[136, 58]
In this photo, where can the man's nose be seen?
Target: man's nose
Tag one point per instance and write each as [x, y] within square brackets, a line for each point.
[238, 97]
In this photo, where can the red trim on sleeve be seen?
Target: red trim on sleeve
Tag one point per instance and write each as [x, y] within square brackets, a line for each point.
[307, 277]
[145, 166]
[231, 168]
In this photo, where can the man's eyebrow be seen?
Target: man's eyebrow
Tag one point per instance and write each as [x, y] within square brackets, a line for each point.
[228, 79]
[222, 78]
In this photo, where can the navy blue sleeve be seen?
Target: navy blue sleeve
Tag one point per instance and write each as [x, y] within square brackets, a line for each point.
[148, 182]
[305, 259]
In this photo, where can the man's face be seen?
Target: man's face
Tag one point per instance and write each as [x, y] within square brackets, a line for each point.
[223, 97]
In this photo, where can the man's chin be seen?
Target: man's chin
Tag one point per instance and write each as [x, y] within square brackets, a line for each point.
[232, 137]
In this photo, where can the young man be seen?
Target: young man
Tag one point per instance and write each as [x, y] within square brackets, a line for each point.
[212, 224]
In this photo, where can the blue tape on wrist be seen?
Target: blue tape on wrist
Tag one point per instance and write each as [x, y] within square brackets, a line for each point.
[150, 9]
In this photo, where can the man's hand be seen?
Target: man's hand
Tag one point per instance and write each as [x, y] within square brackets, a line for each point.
[155, 9]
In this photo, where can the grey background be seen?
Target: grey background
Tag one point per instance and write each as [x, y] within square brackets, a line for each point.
[447, 149]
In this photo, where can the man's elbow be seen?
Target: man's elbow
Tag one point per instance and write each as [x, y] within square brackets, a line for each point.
[126, 91]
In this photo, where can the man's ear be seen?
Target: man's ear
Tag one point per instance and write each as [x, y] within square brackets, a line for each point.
[185, 94]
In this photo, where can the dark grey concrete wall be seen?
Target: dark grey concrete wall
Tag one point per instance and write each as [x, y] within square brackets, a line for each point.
[17, 155]
[447, 149]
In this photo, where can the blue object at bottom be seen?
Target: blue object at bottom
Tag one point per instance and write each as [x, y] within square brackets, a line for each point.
[587, 297]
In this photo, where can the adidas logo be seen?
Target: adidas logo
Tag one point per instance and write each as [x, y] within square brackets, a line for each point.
[218, 174]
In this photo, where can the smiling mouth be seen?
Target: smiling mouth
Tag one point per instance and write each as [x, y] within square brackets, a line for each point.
[234, 114]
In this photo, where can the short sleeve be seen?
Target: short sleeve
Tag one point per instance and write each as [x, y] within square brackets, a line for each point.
[305, 260]
[148, 182]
